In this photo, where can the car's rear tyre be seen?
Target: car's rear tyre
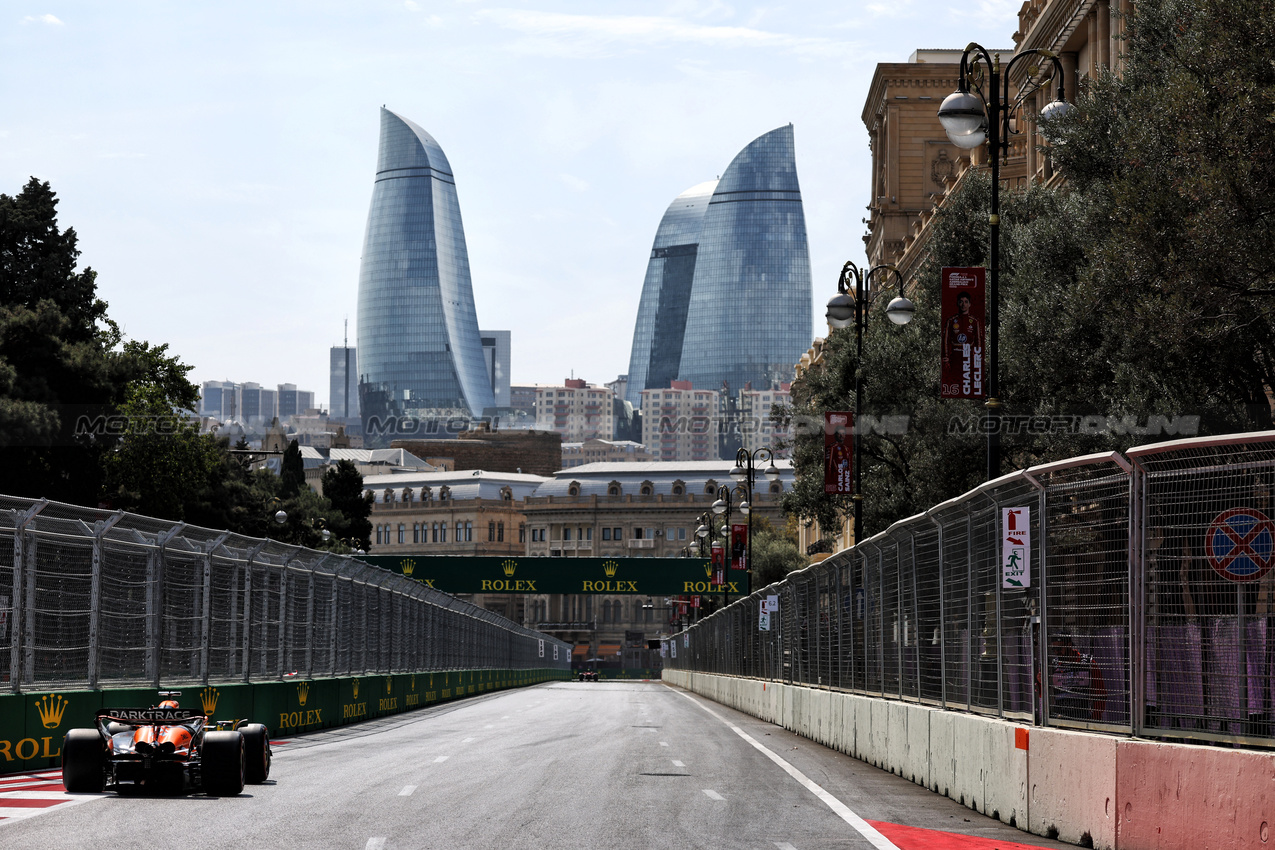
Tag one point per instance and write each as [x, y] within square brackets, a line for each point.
[223, 763]
[83, 761]
[256, 744]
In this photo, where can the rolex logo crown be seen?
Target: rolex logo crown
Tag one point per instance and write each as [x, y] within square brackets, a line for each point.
[708, 568]
[389, 685]
[303, 693]
[609, 567]
[509, 567]
[208, 698]
[408, 565]
[356, 688]
[51, 708]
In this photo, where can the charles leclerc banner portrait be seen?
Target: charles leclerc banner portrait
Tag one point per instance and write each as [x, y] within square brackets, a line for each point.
[964, 344]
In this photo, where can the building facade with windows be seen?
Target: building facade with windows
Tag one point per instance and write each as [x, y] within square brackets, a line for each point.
[449, 513]
[420, 350]
[577, 410]
[603, 451]
[756, 429]
[681, 423]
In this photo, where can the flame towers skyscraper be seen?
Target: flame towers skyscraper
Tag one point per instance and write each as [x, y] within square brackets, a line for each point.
[727, 296]
[419, 350]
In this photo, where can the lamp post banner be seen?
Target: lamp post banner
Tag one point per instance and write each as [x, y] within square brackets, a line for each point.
[838, 458]
[739, 546]
[719, 563]
[964, 318]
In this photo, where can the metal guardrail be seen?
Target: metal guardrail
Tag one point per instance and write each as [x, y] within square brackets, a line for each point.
[1150, 610]
[90, 598]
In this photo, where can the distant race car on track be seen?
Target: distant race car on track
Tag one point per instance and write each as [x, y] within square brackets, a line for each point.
[165, 748]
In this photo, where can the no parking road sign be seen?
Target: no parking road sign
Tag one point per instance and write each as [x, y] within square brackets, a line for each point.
[1240, 544]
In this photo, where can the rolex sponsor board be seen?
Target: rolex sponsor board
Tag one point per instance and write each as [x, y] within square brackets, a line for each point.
[513, 574]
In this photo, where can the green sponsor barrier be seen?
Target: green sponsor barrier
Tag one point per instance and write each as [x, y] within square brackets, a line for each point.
[33, 725]
[642, 576]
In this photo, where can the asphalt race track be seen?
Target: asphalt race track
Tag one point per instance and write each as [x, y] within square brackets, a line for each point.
[561, 765]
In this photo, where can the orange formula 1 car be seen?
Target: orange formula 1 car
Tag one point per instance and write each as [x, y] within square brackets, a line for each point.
[166, 748]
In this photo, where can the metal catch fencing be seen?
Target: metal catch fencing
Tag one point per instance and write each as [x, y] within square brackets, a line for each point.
[1123, 593]
[94, 598]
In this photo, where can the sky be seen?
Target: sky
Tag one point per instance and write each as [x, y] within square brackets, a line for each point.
[217, 158]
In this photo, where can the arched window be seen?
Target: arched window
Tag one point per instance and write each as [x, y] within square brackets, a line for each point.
[679, 487]
[416, 532]
[442, 532]
[573, 489]
[444, 493]
[506, 494]
[402, 533]
[388, 496]
[500, 532]
[614, 489]
[647, 488]
[433, 533]
[710, 487]
[776, 487]
[407, 495]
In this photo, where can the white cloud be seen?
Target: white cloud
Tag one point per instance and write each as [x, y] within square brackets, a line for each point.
[52, 20]
[562, 34]
[412, 5]
[574, 183]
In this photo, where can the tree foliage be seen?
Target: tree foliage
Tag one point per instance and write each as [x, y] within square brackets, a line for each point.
[1141, 288]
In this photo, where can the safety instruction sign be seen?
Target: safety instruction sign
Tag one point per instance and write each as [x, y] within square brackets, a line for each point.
[763, 621]
[1016, 547]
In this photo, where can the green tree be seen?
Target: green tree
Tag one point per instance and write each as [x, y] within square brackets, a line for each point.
[351, 509]
[775, 553]
[291, 471]
[54, 361]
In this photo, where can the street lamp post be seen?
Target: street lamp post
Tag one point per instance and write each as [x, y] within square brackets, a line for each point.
[744, 474]
[722, 509]
[971, 116]
[840, 311]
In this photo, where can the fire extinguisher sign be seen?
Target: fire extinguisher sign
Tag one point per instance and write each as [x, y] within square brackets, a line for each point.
[1016, 547]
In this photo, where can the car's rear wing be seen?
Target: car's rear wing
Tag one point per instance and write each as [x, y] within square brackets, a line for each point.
[149, 716]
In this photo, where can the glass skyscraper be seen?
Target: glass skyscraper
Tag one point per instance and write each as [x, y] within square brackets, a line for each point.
[746, 314]
[419, 350]
[666, 293]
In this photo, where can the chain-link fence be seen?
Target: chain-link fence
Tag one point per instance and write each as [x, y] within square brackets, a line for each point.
[1126, 593]
[94, 598]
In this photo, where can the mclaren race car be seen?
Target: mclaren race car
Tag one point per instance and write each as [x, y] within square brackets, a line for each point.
[165, 748]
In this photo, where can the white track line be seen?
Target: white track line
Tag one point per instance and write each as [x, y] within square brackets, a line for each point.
[713, 795]
[375, 844]
[407, 791]
[843, 811]
[441, 759]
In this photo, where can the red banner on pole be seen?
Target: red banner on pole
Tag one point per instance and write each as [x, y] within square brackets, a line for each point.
[719, 564]
[838, 458]
[964, 345]
[738, 546]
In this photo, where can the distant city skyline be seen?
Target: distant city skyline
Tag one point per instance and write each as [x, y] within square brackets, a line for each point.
[214, 161]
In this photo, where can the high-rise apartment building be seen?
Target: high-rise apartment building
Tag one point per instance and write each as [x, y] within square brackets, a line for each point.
[577, 410]
[727, 295]
[756, 429]
[680, 423]
[420, 350]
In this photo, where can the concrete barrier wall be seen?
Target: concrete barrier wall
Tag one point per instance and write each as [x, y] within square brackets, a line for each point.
[1094, 790]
